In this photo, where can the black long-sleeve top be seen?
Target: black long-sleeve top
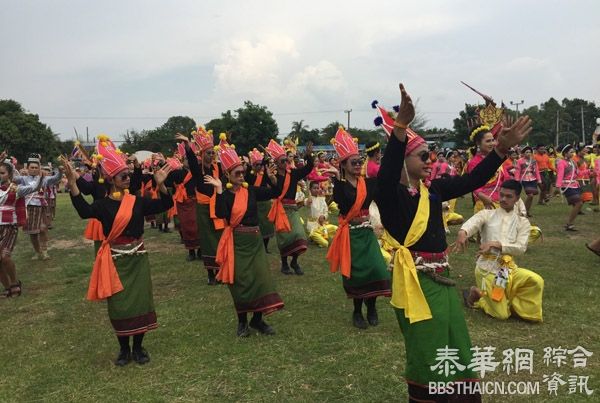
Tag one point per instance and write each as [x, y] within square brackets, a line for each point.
[148, 178]
[135, 183]
[97, 190]
[176, 178]
[398, 207]
[255, 193]
[296, 175]
[197, 175]
[105, 210]
[251, 176]
[344, 194]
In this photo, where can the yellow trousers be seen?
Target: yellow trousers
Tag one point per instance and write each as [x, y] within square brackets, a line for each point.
[322, 234]
[522, 295]
[480, 206]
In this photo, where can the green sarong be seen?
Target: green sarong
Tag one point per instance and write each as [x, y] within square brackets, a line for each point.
[369, 276]
[293, 242]
[267, 229]
[131, 311]
[209, 236]
[447, 327]
[253, 289]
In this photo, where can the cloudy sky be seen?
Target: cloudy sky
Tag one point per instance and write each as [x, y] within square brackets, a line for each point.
[117, 65]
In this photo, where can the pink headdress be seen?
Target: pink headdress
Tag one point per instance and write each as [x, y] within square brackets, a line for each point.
[227, 155]
[110, 157]
[274, 149]
[204, 139]
[386, 121]
[174, 163]
[344, 144]
[255, 156]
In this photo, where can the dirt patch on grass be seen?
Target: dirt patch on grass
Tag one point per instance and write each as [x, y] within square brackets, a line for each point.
[69, 244]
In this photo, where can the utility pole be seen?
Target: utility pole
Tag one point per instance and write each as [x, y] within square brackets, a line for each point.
[516, 104]
[347, 111]
[582, 128]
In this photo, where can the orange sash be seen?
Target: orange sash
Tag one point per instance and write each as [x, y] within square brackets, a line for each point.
[104, 281]
[201, 198]
[180, 193]
[259, 179]
[277, 213]
[93, 230]
[225, 250]
[148, 186]
[339, 254]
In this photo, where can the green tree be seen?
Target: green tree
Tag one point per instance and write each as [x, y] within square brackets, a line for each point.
[161, 139]
[248, 127]
[328, 132]
[462, 125]
[565, 114]
[305, 134]
[22, 133]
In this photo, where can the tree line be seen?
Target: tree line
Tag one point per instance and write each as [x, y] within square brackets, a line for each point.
[22, 132]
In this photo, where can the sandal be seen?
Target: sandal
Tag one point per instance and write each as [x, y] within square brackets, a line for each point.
[596, 252]
[570, 227]
[16, 289]
[6, 293]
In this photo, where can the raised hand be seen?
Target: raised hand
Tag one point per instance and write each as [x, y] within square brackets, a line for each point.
[514, 134]
[216, 182]
[271, 170]
[333, 170]
[309, 149]
[160, 175]
[3, 155]
[68, 169]
[406, 114]
[181, 137]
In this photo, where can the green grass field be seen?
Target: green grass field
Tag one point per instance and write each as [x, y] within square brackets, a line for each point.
[58, 346]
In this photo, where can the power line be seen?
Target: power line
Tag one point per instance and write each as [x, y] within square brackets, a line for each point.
[213, 117]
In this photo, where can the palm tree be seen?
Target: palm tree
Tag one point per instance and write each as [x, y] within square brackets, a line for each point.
[298, 127]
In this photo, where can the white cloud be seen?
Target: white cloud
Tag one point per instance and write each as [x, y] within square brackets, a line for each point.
[246, 67]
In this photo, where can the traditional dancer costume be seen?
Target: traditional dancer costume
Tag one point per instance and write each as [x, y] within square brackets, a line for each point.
[241, 254]
[36, 226]
[257, 177]
[121, 273]
[528, 173]
[185, 203]
[209, 225]
[291, 238]
[12, 215]
[506, 287]
[355, 251]
[427, 306]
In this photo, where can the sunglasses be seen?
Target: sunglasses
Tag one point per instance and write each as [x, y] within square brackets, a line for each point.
[123, 177]
[423, 156]
[356, 163]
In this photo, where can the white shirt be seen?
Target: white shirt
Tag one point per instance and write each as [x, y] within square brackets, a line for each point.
[508, 228]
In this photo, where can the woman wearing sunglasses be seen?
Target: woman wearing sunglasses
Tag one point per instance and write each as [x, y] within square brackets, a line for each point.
[121, 272]
[354, 249]
[241, 253]
[428, 308]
